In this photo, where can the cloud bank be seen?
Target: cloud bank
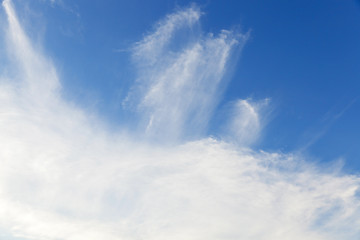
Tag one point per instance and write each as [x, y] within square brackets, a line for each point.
[64, 175]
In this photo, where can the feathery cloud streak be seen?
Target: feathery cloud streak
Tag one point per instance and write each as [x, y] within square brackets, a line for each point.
[64, 176]
[179, 84]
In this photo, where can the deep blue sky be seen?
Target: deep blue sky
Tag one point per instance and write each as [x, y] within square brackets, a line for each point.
[304, 55]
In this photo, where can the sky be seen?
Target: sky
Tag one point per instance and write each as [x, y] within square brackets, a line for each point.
[179, 119]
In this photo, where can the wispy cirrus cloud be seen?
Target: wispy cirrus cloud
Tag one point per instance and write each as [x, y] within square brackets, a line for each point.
[179, 85]
[64, 175]
[245, 121]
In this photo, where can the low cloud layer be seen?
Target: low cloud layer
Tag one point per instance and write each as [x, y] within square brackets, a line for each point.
[64, 175]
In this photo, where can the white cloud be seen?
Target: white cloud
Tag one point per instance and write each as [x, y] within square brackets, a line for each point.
[178, 87]
[64, 176]
[245, 121]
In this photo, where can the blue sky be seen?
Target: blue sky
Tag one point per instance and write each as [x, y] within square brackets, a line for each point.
[163, 117]
[304, 55]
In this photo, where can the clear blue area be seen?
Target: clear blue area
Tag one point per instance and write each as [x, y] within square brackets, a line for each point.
[303, 54]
